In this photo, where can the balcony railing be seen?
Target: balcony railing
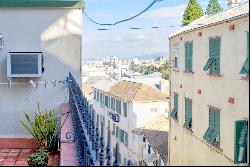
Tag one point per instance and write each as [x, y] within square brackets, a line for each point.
[91, 148]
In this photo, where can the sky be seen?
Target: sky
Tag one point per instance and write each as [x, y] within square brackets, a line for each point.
[123, 42]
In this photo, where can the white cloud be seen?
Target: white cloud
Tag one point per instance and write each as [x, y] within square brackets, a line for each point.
[165, 12]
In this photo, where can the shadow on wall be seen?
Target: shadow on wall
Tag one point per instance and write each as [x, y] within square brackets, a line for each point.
[60, 40]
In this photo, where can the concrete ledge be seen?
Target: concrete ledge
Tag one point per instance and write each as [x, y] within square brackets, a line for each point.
[68, 152]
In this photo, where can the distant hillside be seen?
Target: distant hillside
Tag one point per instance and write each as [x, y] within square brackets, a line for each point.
[154, 55]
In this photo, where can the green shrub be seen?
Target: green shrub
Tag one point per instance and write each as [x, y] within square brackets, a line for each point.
[44, 127]
[39, 158]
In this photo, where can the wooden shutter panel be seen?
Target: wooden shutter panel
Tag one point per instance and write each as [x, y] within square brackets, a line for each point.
[190, 56]
[241, 139]
[117, 132]
[186, 56]
[176, 101]
[126, 138]
[211, 125]
[188, 113]
[214, 52]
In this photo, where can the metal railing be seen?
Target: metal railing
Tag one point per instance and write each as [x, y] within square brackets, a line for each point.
[91, 150]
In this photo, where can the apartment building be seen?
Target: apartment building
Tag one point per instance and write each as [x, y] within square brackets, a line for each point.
[124, 106]
[210, 90]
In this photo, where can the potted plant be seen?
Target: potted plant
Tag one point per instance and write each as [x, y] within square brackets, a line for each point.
[45, 127]
[39, 158]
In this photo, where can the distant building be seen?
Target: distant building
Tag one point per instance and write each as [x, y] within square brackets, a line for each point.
[210, 90]
[124, 106]
[153, 142]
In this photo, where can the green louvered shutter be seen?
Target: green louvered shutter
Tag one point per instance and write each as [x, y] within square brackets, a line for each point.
[126, 138]
[214, 137]
[176, 102]
[211, 125]
[188, 113]
[188, 56]
[241, 139]
[214, 52]
[117, 132]
[245, 68]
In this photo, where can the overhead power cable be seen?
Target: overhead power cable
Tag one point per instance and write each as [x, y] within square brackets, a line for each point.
[124, 20]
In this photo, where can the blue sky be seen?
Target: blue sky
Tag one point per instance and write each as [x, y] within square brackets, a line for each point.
[123, 42]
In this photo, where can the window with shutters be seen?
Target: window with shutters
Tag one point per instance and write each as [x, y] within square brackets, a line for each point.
[174, 112]
[106, 101]
[98, 96]
[176, 57]
[189, 56]
[122, 136]
[95, 94]
[188, 114]
[213, 63]
[113, 130]
[118, 106]
[126, 139]
[125, 109]
[154, 110]
[245, 68]
[117, 132]
[241, 147]
[112, 103]
[212, 134]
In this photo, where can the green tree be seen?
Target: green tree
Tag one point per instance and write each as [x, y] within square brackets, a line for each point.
[165, 70]
[192, 12]
[213, 7]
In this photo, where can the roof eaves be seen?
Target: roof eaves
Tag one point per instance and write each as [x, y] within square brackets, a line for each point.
[212, 24]
[42, 4]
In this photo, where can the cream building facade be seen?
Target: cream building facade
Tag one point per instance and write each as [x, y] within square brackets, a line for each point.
[210, 90]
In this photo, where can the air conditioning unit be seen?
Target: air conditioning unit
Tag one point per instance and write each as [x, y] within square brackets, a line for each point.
[24, 64]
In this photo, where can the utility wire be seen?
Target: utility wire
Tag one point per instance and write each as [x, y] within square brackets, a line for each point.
[125, 20]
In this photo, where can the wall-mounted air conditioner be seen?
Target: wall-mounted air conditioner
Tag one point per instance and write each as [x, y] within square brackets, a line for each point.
[24, 64]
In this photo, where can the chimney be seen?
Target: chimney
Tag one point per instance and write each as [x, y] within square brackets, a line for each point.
[233, 3]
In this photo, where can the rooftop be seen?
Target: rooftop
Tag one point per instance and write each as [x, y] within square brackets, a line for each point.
[158, 126]
[42, 3]
[233, 13]
[104, 85]
[139, 92]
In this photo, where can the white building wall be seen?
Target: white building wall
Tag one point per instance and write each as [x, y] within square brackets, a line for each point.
[189, 149]
[55, 32]
[138, 113]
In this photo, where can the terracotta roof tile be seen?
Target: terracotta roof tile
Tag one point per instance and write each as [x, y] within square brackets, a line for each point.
[132, 91]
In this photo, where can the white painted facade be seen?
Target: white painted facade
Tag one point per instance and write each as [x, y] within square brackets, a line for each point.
[189, 148]
[137, 114]
[57, 33]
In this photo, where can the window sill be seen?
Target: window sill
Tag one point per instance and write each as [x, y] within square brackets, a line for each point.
[176, 70]
[188, 72]
[213, 147]
[246, 78]
[215, 75]
[189, 130]
[176, 120]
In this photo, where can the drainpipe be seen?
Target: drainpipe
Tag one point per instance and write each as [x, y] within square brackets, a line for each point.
[170, 99]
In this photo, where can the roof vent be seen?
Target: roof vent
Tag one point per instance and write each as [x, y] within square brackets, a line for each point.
[233, 3]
